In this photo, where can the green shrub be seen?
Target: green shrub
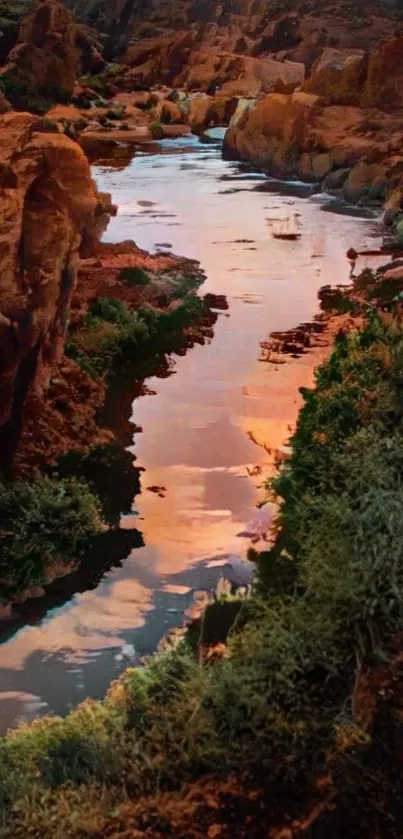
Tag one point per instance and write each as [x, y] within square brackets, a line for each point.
[96, 83]
[134, 277]
[116, 113]
[110, 472]
[43, 522]
[111, 331]
[156, 130]
[114, 69]
[340, 488]
[49, 125]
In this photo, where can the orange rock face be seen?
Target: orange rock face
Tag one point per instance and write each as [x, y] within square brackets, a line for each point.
[49, 54]
[177, 60]
[338, 77]
[47, 204]
[344, 128]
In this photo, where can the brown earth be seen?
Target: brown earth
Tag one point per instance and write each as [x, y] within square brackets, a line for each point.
[69, 415]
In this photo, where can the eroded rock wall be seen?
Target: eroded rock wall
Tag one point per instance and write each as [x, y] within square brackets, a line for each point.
[344, 128]
[48, 203]
[299, 28]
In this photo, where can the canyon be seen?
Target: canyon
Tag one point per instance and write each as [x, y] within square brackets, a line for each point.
[151, 498]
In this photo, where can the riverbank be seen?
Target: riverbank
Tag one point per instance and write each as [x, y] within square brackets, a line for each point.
[308, 684]
[342, 129]
[127, 305]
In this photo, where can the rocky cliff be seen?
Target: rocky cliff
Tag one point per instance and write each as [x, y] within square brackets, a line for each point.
[299, 29]
[43, 55]
[48, 203]
[344, 128]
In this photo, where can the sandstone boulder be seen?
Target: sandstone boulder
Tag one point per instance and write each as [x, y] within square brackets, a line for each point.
[271, 136]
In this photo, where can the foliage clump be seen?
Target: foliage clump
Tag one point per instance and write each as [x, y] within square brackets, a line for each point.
[43, 523]
[131, 277]
[111, 331]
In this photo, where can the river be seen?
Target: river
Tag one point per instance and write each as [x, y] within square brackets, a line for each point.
[206, 427]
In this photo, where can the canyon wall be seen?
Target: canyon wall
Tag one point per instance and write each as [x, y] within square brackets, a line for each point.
[299, 28]
[48, 203]
[43, 53]
[344, 128]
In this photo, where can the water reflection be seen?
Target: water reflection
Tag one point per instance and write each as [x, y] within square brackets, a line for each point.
[215, 412]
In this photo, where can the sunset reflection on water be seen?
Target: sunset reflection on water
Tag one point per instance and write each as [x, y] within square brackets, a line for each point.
[209, 428]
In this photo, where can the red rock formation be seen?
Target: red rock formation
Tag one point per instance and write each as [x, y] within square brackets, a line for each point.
[47, 203]
[384, 82]
[338, 77]
[357, 148]
[177, 60]
[50, 53]
[299, 29]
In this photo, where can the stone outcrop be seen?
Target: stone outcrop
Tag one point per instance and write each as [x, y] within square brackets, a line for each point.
[297, 30]
[344, 128]
[177, 60]
[51, 51]
[48, 204]
[384, 82]
[237, 48]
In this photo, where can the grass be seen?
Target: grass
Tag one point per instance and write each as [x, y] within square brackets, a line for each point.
[281, 705]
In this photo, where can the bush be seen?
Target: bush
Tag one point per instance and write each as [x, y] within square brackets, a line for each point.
[341, 493]
[96, 83]
[110, 472]
[134, 277]
[43, 522]
[156, 130]
[111, 331]
[49, 125]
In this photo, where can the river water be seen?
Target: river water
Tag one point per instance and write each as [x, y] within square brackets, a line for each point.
[206, 427]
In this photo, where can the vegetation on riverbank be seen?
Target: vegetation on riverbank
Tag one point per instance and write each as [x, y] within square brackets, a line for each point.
[307, 694]
[45, 524]
[48, 523]
[111, 331]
